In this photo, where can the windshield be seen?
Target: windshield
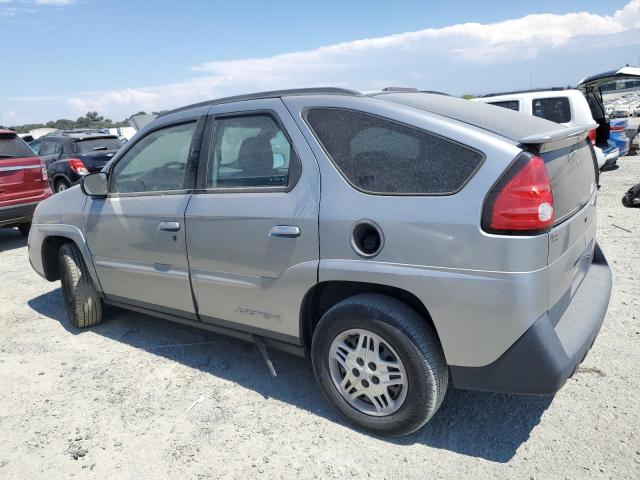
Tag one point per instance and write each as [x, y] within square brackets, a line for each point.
[94, 145]
[12, 146]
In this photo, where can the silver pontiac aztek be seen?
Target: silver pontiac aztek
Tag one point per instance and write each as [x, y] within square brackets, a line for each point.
[403, 240]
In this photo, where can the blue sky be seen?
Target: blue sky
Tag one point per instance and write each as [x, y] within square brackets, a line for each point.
[122, 56]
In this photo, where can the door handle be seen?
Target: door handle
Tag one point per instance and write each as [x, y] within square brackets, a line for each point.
[284, 231]
[168, 227]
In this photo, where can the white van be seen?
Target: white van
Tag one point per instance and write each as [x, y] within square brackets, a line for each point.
[568, 107]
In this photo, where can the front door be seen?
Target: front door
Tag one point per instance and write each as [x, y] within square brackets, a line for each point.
[252, 227]
[137, 234]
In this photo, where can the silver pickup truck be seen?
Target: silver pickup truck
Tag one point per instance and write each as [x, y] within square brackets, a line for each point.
[404, 241]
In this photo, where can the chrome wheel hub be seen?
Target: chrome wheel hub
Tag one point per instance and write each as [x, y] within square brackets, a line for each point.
[368, 372]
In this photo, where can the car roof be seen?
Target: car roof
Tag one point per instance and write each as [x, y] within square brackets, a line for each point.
[269, 94]
[502, 121]
[548, 93]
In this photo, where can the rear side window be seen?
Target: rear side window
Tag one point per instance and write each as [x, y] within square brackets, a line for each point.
[12, 146]
[50, 147]
[378, 155]
[555, 109]
[93, 145]
[510, 104]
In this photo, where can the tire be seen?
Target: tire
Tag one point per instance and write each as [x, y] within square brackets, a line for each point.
[60, 185]
[81, 299]
[409, 338]
[24, 229]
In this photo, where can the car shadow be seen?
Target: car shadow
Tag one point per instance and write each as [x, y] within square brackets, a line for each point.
[487, 425]
[11, 238]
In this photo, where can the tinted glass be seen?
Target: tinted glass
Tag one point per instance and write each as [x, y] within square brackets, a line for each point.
[94, 145]
[12, 146]
[381, 156]
[35, 146]
[510, 104]
[555, 109]
[49, 147]
[249, 151]
[157, 162]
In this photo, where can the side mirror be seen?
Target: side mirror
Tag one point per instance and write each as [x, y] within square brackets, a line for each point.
[95, 184]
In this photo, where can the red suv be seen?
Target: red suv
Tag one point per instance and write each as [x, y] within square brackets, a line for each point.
[23, 182]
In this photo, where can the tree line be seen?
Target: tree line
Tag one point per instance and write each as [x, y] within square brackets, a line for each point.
[90, 120]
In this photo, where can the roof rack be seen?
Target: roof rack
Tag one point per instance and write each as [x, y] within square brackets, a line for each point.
[79, 132]
[531, 90]
[270, 94]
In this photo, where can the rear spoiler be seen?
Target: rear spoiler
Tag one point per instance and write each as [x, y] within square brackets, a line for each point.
[555, 139]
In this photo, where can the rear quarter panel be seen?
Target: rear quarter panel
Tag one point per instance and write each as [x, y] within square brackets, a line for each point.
[482, 291]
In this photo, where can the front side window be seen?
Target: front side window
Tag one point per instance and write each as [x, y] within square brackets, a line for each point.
[158, 162]
[378, 155]
[556, 109]
[510, 104]
[249, 151]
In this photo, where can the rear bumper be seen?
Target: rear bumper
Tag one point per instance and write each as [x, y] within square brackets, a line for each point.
[542, 360]
[14, 215]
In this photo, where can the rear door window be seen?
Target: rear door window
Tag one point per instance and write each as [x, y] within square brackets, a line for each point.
[12, 146]
[510, 104]
[249, 151]
[556, 109]
[377, 155]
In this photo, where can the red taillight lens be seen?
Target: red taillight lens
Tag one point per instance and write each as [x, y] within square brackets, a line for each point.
[522, 201]
[616, 128]
[77, 166]
[43, 169]
[592, 136]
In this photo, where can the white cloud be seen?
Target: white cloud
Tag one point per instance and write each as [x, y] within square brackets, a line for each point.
[55, 3]
[470, 57]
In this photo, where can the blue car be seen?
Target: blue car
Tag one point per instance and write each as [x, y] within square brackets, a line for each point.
[619, 136]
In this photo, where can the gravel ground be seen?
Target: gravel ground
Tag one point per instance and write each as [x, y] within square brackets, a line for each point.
[138, 397]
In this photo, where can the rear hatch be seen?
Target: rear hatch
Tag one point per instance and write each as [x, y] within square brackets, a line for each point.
[96, 152]
[572, 169]
[570, 163]
[22, 174]
[592, 88]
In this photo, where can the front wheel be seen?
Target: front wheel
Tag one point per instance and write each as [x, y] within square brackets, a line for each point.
[380, 364]
[81, 299]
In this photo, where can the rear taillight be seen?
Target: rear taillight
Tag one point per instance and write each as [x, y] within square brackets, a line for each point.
[43, 169]
[592, 136]
[521, 203]
[616, 128]
[77, 166]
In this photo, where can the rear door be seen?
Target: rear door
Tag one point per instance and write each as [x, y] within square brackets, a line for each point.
[21, 174]
[252, 227]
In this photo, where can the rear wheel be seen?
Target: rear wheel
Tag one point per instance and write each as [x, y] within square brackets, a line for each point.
[380, 364]
[24, 229]
[60, 185]
[81, 299]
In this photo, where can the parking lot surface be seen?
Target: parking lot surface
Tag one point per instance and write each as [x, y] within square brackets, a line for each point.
[138, 397]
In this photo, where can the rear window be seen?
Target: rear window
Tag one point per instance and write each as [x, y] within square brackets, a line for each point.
[555, 109]
[378, 155]
[12, 146]
[93, 145]
[510, 104]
